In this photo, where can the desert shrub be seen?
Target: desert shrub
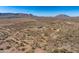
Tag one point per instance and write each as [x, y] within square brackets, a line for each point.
[3, 35]
[1, 49]
[8, 47]
[63, 50]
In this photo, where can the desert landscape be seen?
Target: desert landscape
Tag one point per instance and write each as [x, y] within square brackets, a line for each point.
[25, 33]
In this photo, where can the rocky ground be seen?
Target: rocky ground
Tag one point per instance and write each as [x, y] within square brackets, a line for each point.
[40, 36]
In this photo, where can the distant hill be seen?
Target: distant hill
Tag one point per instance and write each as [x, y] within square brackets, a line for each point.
[22, 15]
[62, 16]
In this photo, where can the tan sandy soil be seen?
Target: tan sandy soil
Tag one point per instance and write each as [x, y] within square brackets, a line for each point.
[24, 35]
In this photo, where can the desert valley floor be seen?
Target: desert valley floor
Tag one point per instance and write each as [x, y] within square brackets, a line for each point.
[19, 35]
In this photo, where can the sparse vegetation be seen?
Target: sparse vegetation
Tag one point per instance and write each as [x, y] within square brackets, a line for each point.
[39, 35]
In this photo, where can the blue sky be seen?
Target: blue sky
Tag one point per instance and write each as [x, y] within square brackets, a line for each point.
[42, 10]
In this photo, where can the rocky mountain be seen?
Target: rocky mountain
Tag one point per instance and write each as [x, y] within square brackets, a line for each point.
[14, 15]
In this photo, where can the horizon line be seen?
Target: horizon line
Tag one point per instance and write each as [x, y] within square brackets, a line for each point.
[42, 15]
